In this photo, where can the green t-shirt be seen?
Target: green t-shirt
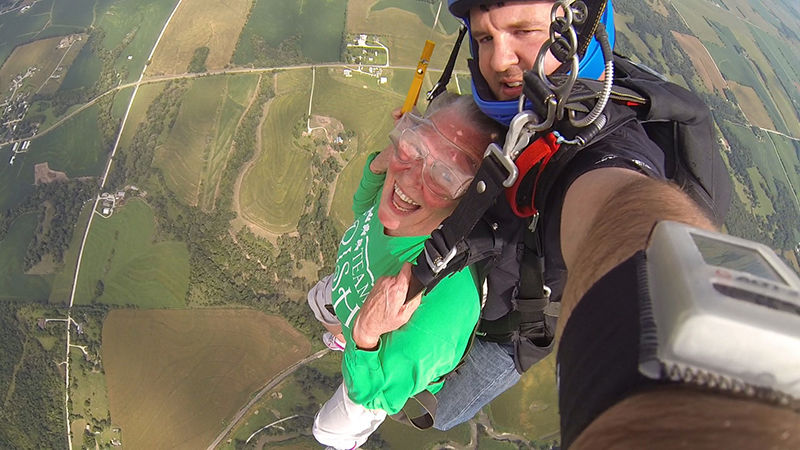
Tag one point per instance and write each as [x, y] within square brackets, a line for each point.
[428, 346]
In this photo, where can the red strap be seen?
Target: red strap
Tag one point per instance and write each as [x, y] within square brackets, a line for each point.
[540, 150]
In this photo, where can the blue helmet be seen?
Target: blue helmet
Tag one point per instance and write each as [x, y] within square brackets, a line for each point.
[592, 64]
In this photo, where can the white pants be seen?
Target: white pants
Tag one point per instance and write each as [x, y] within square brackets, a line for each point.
[343, 424]
[318, 297]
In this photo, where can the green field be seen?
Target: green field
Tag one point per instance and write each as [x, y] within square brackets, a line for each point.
[530, 407]
[194, 154]
[14, 284]
[318, 24]
[175, 377]
[36, 23]
[84, 71]
[789, 152]
[274, 188]
[76, 13]
[133, 269]
[426, 11]
[751, 56]
[367, 112]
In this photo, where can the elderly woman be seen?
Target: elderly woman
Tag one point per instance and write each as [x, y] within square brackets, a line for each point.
[428, 166]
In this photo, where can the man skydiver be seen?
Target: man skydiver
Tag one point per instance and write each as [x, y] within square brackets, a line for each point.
[505, 40]
[598, 213]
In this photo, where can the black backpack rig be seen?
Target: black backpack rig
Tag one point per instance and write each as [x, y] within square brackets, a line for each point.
[570, 114]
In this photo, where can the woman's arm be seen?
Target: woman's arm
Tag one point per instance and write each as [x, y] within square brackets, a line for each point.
[408, 359]
[371, 184]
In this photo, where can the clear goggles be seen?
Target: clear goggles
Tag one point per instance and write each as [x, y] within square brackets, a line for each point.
[447, 169]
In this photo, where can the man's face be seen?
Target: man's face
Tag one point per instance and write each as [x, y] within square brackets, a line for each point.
[509, 38]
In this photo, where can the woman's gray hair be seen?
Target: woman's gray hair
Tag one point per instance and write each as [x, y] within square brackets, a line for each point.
[465, 106]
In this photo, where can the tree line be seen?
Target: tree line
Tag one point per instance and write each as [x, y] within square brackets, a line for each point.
[57, 206]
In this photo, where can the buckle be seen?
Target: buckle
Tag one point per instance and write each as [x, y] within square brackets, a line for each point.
[440, 263]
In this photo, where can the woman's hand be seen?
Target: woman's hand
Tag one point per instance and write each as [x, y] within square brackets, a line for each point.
[384, 309]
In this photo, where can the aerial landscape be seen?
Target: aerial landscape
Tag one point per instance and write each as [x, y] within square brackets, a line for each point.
[177, 174]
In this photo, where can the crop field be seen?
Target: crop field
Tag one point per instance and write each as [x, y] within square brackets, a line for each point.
[176, 376]
[215, 24]
[317, 24]
[789, 153]
[404, 32]
[194, 153]
[621, 22]
[275, 185]
[702, 62]
[75, 147]
[123, 266]
[365, 111]
[754, 67]
[752, 106]
[137, 24]
[17, 28]
[75, 13]
[426, 11]
[43, 54]
[14, 283]
[531, 406]
[84, 71]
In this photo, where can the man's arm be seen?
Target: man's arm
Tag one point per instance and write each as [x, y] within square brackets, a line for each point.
[607, 217]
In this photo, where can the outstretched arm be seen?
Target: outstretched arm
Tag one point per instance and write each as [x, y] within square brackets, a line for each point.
[607, 217]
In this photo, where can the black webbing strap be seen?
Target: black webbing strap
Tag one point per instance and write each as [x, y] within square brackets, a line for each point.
[448, 249]
[444, 80]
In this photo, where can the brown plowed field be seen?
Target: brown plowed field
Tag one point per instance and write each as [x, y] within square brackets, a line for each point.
[176, 376]
[702, 61]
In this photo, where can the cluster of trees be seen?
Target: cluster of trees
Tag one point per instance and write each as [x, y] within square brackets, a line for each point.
[244, 142]
[58, 205]
[133, 164]
[198, 62]
[32, 415]
[671, 59]
[287, 53]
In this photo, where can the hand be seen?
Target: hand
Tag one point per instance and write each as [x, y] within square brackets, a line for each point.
[384, 309]
[380, 164]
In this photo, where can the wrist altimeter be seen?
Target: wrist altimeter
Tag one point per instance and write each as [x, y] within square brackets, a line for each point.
[721, 313]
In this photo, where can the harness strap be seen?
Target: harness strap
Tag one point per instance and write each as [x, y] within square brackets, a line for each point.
[444, 80]
[463, 238]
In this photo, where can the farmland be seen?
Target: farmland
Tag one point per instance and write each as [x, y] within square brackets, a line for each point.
[194, 153]
[215, 24]
[189, 371]
[123, 266]
[274, 188]
[280, 32]
[367, 112]
[531, 406]
[702, 61]
[45, 55]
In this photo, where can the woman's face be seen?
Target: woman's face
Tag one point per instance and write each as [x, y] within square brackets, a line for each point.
[425, 172]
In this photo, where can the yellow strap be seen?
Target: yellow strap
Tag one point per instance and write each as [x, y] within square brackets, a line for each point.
[419, 74]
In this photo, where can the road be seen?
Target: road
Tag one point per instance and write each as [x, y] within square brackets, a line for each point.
[89, 225]
[269, 386]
